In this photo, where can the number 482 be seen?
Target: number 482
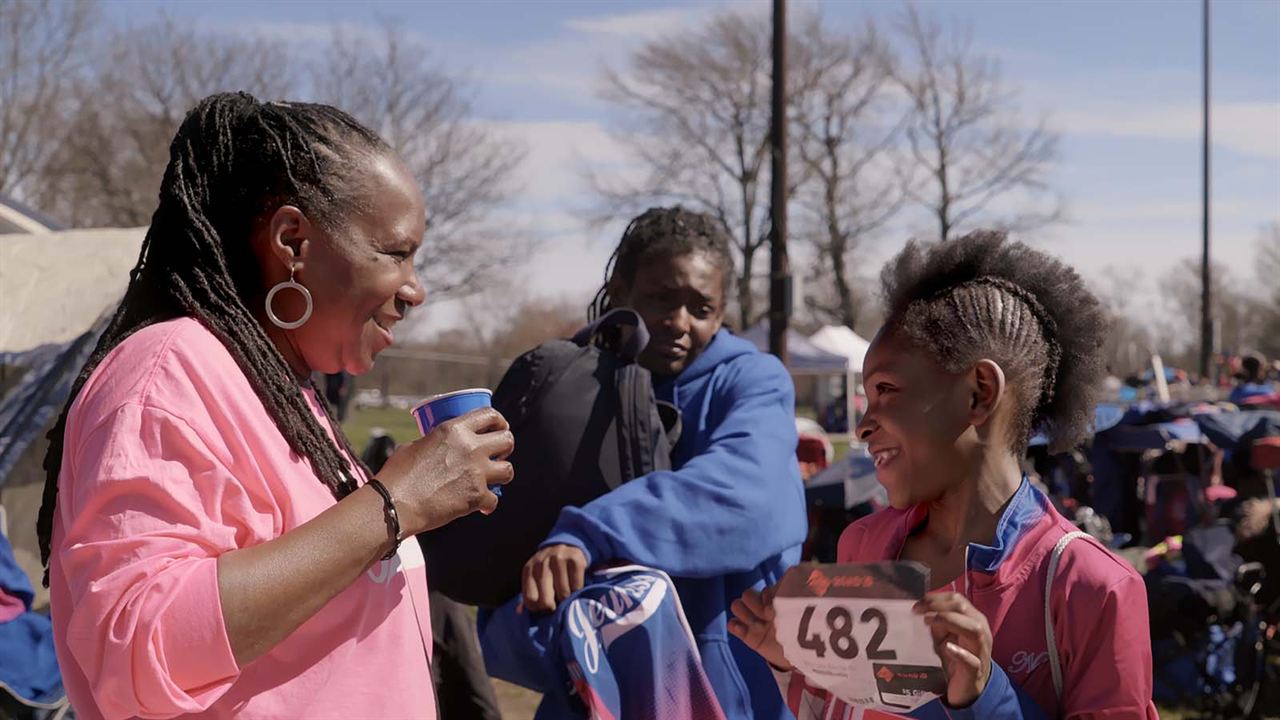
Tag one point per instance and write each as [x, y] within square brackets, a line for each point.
[843, 644]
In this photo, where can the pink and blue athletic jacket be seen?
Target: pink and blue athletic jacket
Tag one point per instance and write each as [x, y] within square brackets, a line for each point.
[619, 648]
[1098, 604]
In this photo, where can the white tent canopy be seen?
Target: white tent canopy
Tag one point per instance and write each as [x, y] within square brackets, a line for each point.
[53, 286]
[840, 340]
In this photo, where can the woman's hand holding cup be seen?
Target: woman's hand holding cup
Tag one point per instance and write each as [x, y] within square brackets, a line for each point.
[447, 473]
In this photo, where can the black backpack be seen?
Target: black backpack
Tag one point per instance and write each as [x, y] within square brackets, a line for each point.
[585, 421]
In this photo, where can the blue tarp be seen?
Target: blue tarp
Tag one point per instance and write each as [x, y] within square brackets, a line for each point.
[27, 410]
[1105, 417]
[1232, 431]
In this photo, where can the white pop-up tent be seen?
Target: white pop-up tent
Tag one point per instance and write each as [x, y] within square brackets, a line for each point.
[840, 340]
[843, 342]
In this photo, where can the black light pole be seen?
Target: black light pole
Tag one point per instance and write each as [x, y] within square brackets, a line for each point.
[779, 267]
[1206, 314]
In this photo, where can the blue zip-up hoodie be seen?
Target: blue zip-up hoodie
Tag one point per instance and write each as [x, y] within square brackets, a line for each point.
[728, 517]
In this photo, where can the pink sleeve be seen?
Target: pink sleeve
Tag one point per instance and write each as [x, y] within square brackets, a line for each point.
[1107, 675]
[149, 511]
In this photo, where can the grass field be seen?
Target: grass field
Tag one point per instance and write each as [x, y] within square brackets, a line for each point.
[399, 423]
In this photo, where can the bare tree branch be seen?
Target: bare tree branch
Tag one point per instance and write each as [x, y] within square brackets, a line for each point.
[844, 121]
[697, 125]
[108, 164]
[1267, 268]
[465, 168]
[1238, 315]
[107, 169]
[43, 47]
[964, 136]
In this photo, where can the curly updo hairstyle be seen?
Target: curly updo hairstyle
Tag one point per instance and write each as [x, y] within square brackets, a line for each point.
[982, 296]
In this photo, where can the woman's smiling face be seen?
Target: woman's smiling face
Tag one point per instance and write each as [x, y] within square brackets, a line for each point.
[361, 275]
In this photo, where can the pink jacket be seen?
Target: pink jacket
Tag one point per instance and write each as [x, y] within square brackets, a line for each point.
[1099, 606]
[170, 461]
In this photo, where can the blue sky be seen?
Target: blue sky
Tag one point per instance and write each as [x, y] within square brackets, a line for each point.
[1119, 80]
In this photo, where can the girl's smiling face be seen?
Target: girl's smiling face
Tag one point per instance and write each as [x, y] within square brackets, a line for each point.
[918, 416]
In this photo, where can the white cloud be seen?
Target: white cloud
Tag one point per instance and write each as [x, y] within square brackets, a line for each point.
[1175, 212]
[558, 153]
[1250, 128]
[567, 66]
[568, 265]
[554, 206]
[316, 34]
[646, 24]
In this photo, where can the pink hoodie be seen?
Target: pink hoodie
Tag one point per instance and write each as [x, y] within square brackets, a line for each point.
[1099, 606]
[170, 461]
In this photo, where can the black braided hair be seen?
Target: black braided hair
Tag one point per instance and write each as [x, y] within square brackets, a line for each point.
[663, 234]
[232, 161]
[981, 296]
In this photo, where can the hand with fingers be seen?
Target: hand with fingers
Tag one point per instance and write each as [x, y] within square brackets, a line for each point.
[447, 473]
[962, 639]
[753, 623]
[553, 574]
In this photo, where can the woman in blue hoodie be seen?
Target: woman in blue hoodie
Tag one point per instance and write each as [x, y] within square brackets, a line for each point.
[730, 514]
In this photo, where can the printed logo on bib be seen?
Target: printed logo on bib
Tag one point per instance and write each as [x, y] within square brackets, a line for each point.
[901, 686]
[850, 630]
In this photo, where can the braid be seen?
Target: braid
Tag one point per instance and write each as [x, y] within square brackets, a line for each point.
[659, 234]
[982, 297]
[1017, 320]
[231, 160]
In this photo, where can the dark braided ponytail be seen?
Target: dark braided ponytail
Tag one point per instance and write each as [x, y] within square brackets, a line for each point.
[233, 160]
[662, 234]
[981, 296]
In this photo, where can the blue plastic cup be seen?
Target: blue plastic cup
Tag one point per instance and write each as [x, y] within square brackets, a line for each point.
[440, 408]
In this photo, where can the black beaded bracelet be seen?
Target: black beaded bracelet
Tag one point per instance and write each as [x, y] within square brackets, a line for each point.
[393, 520]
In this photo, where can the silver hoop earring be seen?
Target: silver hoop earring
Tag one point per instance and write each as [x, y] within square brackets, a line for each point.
[306, 295]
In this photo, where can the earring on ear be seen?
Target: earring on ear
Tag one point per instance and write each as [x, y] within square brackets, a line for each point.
[306, 295]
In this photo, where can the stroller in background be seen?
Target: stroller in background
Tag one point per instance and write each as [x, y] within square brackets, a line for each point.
[1213, 614]
[1259, 548]
[1155, 480]
[1204, 619]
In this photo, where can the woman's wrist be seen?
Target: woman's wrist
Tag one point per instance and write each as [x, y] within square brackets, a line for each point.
[390, 516]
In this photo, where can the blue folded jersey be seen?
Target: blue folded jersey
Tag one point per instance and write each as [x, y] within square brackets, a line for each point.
[618, 648]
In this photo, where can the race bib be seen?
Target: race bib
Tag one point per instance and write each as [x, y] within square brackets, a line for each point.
[850, 629]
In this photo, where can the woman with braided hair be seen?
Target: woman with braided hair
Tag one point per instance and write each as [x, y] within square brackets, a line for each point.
[213, 546]
[986, 342]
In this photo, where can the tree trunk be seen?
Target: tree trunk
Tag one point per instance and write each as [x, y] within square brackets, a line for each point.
[746, 301]
[838, 244]
[944, 190]
[848, 306]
